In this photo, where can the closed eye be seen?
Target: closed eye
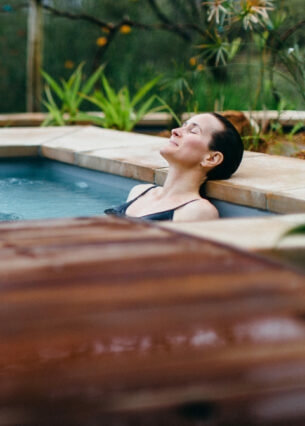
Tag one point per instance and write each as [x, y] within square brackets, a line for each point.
[195, 129]
[192, 127]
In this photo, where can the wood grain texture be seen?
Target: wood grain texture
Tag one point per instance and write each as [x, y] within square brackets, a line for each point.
[107, 321]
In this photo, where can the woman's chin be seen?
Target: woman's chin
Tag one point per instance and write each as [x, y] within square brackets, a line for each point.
[165, 153]
[168, 149]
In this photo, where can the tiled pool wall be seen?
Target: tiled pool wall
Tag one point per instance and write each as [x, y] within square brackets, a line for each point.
[271, 183]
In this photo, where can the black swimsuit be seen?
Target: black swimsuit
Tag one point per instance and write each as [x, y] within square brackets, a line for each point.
[165, 215]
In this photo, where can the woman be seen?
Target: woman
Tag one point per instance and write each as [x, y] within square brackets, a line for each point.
[207, 146]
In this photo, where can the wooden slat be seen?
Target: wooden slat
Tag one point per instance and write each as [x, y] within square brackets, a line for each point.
[112, 321]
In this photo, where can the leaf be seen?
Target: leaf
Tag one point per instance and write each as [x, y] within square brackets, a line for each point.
[99, 121]
[145, 108]
[50, 97]
[144, 90]
[55, 115]
[52, 83]
[75, 89]
[233, 48]
[299, 229]
[298, 126]
[126, 109]
[110, 93]
[92, 80]
[169, 109]
[86, 117]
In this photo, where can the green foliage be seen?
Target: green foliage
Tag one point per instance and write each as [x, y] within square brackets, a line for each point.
[219, 50]
[252, 142]
[292, 59]
[296, 230]
[233, 35]
[178, 87]
[13, 31]
[63, 99]
[122, 111]
[296, 128]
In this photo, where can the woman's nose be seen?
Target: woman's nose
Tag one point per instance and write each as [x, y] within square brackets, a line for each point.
[176, 131]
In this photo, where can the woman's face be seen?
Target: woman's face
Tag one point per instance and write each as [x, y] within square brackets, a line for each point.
[190, 142]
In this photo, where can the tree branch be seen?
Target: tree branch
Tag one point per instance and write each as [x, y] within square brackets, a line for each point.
[165, 20]
[78, 16]
[166, 26]
[291, 30]
[162, 17]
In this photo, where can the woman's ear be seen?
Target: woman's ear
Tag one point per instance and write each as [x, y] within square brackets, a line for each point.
[212, 159]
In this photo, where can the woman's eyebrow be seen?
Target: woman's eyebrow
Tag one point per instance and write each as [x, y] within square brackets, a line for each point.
[193, 124]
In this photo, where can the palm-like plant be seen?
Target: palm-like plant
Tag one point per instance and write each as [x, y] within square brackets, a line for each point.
[122, 111]
[63, 99]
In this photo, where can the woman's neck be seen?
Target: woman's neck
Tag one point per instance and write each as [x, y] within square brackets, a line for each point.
[183, 181]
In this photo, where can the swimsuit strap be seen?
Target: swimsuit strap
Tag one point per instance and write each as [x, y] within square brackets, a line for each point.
[184, 204]
[166, 214]
[155, 186]
[163, 215]
[121, 209]
[142, 193]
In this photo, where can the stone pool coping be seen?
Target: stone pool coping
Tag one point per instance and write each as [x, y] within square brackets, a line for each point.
[159, 119]
[267, 182]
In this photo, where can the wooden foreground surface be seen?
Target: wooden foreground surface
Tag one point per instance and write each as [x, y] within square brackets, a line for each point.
[111, 322]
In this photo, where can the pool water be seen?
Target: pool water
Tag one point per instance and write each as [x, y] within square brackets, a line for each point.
[40, 188]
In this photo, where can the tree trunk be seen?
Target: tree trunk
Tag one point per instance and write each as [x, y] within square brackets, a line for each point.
[34, 56]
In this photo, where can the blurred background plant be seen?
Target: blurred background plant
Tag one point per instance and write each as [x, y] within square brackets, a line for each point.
[120, 110]
[63, 100]
[221, 54]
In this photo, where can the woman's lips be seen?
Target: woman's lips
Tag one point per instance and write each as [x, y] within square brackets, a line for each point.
[173, 142]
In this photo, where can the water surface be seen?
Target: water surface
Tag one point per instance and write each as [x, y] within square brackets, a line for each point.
[39, 188]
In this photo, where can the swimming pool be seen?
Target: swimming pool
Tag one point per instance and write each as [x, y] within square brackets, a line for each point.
[38, 188]
[227, 210]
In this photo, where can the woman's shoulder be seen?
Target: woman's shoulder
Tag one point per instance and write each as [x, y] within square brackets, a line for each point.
[198, 210]
[138, 190]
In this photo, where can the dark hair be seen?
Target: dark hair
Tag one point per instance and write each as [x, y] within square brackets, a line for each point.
[230, 144]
